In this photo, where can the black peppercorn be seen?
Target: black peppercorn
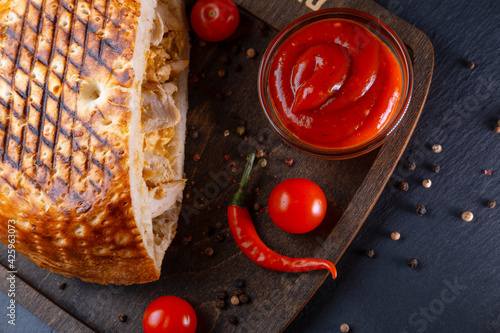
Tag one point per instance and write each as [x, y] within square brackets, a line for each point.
[412, 263]
[62, 286]
[492, 204]
[412, 166]
[234, 49]
[221, 72]
[232, 320]
[221, 294]
[221, 304]
[220, 237]
[244, 298]
[403, 186]
[224, 59]
[123, 318]
[370, 253]
[436, 168]
[209, 251]
[420, 210]
[239, 284]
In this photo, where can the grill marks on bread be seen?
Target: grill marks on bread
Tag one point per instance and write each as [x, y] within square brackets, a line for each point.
[65, 83]
[43, 67]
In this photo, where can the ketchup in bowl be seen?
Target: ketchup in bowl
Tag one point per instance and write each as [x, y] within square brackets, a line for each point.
[333, 86]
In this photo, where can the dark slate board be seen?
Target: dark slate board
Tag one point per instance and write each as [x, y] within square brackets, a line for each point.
[351, 187]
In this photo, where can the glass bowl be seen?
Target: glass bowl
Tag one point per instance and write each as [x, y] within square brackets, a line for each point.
[385, 34]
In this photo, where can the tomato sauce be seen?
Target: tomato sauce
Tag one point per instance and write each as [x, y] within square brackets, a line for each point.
[335, 84]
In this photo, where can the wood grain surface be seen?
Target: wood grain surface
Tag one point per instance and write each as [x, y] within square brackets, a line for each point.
[219, 104]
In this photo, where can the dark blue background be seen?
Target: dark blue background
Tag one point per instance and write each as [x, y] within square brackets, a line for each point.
[456, 287]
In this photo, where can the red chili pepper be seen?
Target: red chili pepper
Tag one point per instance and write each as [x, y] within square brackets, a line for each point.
[245, 235]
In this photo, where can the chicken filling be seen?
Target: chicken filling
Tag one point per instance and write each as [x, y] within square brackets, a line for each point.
[160, 115]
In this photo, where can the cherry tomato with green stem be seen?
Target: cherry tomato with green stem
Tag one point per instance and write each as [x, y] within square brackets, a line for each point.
[169, 314]
[214, 20]
[297, 205]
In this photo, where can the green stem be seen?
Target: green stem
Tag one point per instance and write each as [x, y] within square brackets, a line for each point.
[239, 197]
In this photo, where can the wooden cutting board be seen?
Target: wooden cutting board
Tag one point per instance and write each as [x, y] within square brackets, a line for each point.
[219, 104]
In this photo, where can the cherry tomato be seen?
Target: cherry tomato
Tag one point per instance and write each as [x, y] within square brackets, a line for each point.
[214, 20]
[169, 314]
[297, 205]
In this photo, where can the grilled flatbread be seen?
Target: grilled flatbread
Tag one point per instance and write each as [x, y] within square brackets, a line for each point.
[93, 103]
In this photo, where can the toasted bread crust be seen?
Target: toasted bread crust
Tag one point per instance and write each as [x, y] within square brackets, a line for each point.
[64, 135]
